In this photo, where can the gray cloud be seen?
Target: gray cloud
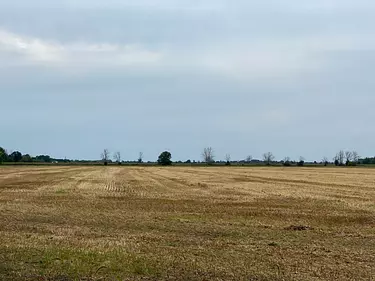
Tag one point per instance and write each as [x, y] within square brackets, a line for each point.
[243, 77]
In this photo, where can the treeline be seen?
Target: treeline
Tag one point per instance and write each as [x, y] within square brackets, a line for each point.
[368, 161]
[16, 157]
[342, 158]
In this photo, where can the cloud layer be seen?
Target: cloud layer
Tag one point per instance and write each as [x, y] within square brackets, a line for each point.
[244, 77]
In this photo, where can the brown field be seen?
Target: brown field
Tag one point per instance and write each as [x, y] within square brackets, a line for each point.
[183, 223]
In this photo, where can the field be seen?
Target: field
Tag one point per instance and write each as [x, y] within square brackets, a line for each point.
[203, 223]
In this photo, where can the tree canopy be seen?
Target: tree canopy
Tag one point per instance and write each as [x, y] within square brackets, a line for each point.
[165, 158]
[16, 156]
[3, 155]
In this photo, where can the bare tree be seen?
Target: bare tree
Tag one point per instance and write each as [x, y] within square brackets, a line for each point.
[208, 155]
[340, 158]
[325, 161]
[268, 158]
[140, 157]
[117, 157]
[348, 156]
[301, 161]
[248, 158]
[287, 162]
[105, 155]
[228, 157]
[336, 159]
[355, 156]
[286, 159]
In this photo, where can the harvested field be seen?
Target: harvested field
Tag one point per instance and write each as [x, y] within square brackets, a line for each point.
[214, 223]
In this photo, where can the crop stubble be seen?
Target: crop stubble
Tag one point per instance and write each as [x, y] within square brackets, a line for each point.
[191, 223]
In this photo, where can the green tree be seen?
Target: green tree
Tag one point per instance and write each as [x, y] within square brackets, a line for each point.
[16, 156]
[27, 158]
[3, 155]
[165, 158]
[43, 158]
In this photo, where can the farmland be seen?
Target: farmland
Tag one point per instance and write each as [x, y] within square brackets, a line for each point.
[191, 223]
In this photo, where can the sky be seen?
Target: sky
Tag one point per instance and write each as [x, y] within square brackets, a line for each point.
[242, 76]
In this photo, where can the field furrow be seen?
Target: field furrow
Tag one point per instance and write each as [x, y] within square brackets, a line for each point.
[186, 223]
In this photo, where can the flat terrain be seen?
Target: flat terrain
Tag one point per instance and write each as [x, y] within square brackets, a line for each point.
[215, 223]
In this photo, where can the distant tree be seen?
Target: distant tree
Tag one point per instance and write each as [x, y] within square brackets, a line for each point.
[140, 157]
[208, 155]
[227, 159]
[117, 157]
[348, 158]
[340, 158]
[188, 161]
[355, 157]
[27, 158]
[165, 158]
[286, 162]
[368, 161]
[105, 156]
[268, 158]
[43, 158]
[16, 156]
[301, 161]
[325, 161]
[3, 155]
[248, 159]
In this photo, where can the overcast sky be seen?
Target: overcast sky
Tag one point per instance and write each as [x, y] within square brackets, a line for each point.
[245, 77]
